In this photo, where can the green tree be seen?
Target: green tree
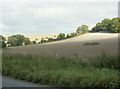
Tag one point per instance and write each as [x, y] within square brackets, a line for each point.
[73, 34]
[97, 27]
[79, 30]
[115, 25]
[50, 39]
[61, 36]
[16, 40]
[108, 25]
[82, 29]
[105, 25]
[34, 42]
[42, 40]
[68, 36]
[27, 41]
[2, 42]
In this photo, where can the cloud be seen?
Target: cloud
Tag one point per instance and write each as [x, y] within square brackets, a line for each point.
[49, 12]
[53, 16]
[2, 26]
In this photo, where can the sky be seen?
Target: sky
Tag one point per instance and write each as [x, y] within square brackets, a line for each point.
[36, 17]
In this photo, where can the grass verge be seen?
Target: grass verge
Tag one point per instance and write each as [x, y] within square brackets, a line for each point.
[101, 71]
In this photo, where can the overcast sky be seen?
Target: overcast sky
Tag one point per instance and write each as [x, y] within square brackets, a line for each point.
[53, 16]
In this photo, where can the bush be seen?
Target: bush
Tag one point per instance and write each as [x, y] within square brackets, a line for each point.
[34, 42]
[50, 39]
[2, 42]
[43, 40]
[27, 41]
[61, 36]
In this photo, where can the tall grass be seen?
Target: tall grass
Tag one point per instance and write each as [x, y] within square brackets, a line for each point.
[101, 71]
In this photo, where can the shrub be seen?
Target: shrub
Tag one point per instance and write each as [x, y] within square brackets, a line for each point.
[2, 42]
[61, 36]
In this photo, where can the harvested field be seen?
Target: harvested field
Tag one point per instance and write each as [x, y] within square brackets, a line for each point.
[106, 42]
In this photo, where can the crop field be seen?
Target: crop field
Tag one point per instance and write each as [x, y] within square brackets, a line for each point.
[84, 46]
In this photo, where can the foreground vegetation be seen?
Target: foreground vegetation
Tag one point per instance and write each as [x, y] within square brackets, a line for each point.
[101, 71]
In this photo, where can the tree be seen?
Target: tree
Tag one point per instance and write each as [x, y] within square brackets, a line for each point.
[105, 25]
[50, 39]
[82, 29]
[61, 36]
[34, 42]
[2, 38]
[108, 25]
[73, 34]
[68, 36]
[42, 40]
[115, 25]
[79, 30]
[2, 42]
[27, 41]
[97, 27]
[16, 40]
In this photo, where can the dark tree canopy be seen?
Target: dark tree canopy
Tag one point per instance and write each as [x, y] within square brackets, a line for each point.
[34, 42]
[82, 29]
[27, 41]
[73, 34]
[18, 40]
[2, 42]
[2, 38]
[50, 39]
[108, 25]
[43, 40]
[115, 25]
[68, 36]
[61, 36]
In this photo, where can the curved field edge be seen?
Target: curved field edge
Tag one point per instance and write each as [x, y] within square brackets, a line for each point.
[101, 71]
[91, 44]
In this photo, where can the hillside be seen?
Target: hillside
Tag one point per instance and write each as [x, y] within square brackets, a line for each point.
[107, 42]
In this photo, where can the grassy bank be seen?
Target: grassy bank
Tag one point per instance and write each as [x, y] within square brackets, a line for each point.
[101, 71]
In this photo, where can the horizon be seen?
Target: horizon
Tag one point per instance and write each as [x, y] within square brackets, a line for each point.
[47, 18]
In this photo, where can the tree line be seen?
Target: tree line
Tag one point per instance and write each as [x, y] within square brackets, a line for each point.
[19, 40]
[108, 25]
